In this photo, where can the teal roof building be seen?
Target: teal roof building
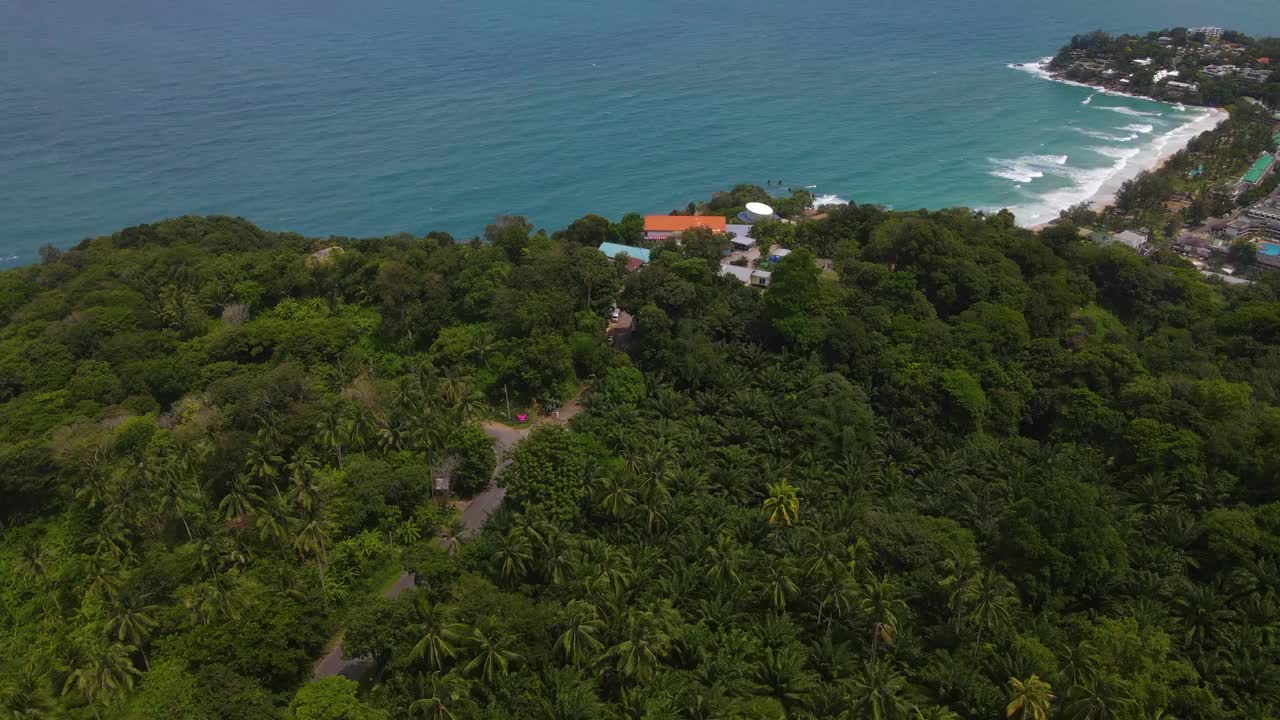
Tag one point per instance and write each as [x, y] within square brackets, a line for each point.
[613, 250]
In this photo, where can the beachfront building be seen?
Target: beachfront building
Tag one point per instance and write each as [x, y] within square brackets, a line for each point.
[670, 227]
[635, 256]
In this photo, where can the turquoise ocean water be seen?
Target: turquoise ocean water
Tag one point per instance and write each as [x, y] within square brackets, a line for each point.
[411, 115]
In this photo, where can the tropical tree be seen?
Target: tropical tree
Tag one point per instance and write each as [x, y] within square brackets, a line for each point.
[437, 633]
[779, 583]
[878, 693]
[989, 602]
[312, 540]
[1029, 699]
[103, 675]
[646, 643]
[782, 504]
[723, 559]
[513, 554]
[490, 655]
[881, 606]
[131, 623]
[580, 642]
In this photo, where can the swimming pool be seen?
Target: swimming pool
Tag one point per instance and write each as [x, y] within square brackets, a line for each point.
[1266, 248]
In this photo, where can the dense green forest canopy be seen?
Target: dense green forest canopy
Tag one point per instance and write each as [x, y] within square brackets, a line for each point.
[971, 472]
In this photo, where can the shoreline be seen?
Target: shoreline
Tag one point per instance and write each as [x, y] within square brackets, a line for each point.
[1149, 158]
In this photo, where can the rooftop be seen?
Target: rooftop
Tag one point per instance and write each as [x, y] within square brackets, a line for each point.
[613, 250]
[1260, 168]
[680, 223]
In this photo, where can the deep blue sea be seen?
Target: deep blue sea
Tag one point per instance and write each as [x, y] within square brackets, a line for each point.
[375, 117]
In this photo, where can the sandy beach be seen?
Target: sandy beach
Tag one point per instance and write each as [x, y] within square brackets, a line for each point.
[1101, 191]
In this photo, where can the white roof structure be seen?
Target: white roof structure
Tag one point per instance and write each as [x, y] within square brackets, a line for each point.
[741, 234]
[742, 273]
[1130, 238]
[759, 209]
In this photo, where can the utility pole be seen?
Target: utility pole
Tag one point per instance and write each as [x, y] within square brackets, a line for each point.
[508, 397]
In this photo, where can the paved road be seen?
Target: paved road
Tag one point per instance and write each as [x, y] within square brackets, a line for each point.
[356, 668]
[486, 501]
[473, 518]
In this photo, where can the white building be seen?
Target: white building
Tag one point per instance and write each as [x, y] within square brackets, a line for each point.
[747, 276]
[1210, 34]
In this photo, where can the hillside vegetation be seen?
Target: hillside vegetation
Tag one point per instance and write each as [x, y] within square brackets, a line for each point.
[973, 472]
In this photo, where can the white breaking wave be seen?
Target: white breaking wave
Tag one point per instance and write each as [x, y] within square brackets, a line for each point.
[1138, 128]
[1127, 111]
[829, 199]
[1027, 168]
[1088, 99]
[1117, 153]
[1100, 184]
[1107, 136]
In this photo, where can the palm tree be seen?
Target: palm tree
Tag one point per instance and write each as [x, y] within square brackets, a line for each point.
[1100, 696]
[1029, 699]
[177, 493]
[579, 642]
[241, 501]
[454, 536]
[103, 676]
[647, 641]
[438, 633]
[990, 602]
[131, 623]
[724, 558]
[614, 495]
[781, 674]
[613, 567]
[218, 598]
[513, 554]
[881, 606]
[274, 523]
[876, 694]
[782, 506]
[314, 541]
[333, 429]
[36, 561]
[779, 583]
[1201, 610]
[263, 463]
[25, 695]
[959, 582]
[302, 476]
[433, 695]
[492, 658]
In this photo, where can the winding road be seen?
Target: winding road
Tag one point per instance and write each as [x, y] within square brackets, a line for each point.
[474, 515]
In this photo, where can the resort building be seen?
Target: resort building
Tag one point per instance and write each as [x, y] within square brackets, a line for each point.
[664, 227]
[1258, 172]
[1210, 34]
[636, 256]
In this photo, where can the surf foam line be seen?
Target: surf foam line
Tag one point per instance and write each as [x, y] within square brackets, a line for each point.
[1108, 136]
[1027, 168]
[1098, 186]
[1040, 69]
